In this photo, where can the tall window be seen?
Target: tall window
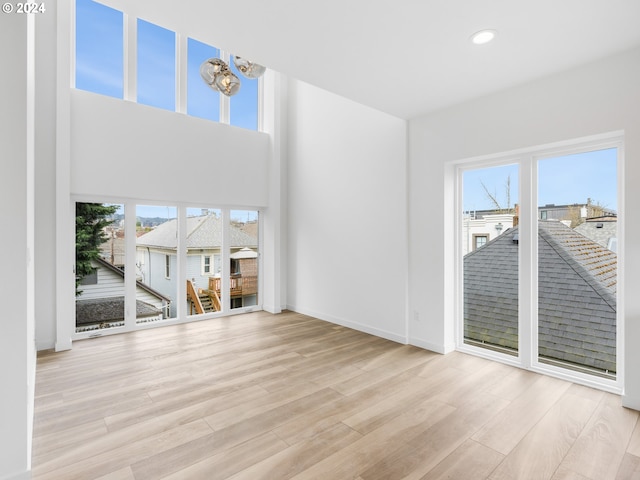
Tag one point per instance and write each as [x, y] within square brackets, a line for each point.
[156, 66]
[545, 289]
[156, 262]
[244, 105]
[99, 49]
[244, 257]
[100, 262]
[100, 59]
[202, 101]
[205, 289]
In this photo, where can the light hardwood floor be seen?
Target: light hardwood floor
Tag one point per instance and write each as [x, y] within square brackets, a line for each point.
[262, 396]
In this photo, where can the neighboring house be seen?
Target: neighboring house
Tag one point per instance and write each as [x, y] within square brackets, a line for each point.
[574, 212]
[101, 303]
[602, 230]
[477, 230]
[156, 261]
[576, 297]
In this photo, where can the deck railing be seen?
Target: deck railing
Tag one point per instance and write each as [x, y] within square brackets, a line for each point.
[239, 285]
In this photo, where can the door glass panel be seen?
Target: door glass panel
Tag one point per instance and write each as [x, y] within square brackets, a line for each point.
[490, 240]
[100, 263]
[244, 253]
[204, 261]
[156, 263]
[577, 261]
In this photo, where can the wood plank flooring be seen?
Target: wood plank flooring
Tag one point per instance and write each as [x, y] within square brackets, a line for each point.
[287, 396]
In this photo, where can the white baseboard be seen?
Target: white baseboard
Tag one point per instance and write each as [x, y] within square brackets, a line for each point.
[629, 402]
[19, 476]
[433, 347]
[350, 324]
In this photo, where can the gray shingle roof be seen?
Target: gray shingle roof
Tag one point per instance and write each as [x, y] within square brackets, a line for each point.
[99, 310]
[202, 232]
[576, 296]
[600, 230]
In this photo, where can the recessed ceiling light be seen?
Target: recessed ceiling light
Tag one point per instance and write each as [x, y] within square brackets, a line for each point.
[483, 36]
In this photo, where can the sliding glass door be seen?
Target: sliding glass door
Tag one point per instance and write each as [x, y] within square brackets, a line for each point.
[539, 269]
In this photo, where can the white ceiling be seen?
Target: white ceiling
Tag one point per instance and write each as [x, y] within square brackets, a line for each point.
[405, 57]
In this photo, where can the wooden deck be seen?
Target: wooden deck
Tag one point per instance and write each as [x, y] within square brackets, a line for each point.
[262, 396]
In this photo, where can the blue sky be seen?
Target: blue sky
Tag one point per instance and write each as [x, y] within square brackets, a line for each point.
[561, 180]
[99, 66]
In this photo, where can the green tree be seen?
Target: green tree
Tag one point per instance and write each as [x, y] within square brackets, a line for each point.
[91, 220]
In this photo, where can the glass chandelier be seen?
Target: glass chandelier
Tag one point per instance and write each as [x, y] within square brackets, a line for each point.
[217, 74]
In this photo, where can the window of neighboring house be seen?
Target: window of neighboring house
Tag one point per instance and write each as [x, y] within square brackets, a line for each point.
[559, 313]
[99, 49]
[202, 100]
[156, 66]
[207, 265]
[167, 266]
[479, 241]
[235, 267]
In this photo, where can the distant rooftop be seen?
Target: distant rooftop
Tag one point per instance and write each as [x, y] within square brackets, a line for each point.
[202, 232]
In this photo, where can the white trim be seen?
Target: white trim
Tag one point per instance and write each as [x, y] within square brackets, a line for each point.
[351, 324]
[65, 255]
[225, 102]
[433, 347]
[181, 73]
[130, 63]
[130, 300]
[226, 262]
[527, 159]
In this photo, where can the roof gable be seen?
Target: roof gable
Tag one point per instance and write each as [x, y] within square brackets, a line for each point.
[576, 296]
[202, 232]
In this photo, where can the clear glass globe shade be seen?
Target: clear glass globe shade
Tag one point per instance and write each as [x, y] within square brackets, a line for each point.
[247, 68]
[227, 83]
[210, 68]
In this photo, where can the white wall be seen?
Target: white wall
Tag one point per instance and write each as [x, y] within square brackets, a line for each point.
[347, 212]
[124, 149]
[17, 347]
[594, 99]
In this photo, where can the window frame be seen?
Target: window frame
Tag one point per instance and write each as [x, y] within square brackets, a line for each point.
[527, 160]
[475, 238]
[204, 264]
[130, 74]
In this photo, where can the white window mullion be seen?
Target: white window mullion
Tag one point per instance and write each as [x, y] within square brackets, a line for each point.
[181, 262]
[225, 102]
[129, 261]
[130, 58]
[181, 73]
[226, 261]
[528, 271]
